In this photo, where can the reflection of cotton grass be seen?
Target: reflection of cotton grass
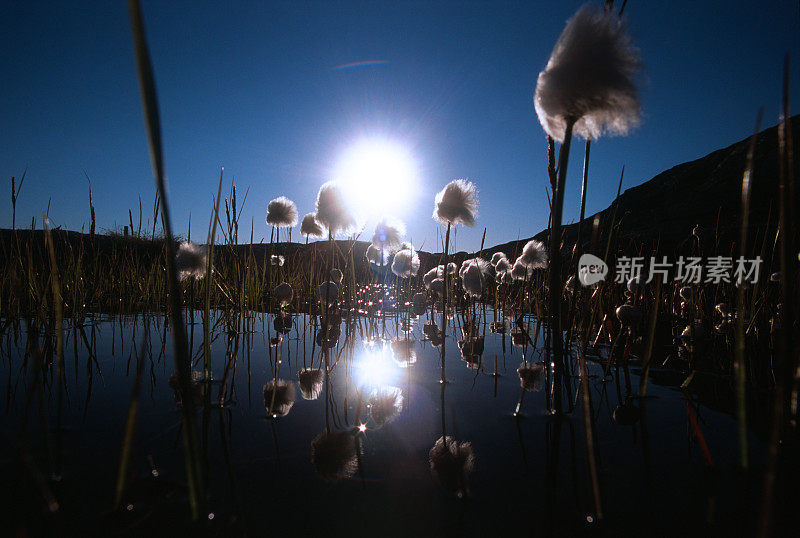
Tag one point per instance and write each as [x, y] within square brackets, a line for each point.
[404, 352]
[385, 404]
[310, 227]
[310, 381]
[471, 347]
[278, 397]
[282, 323]
[333, 454]
[191, 260]
[332, 211]
[451, 463]
[589, 78]
[530, 376]
[281, 212]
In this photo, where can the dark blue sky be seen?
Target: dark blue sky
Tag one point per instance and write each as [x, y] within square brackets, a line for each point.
[253, 87]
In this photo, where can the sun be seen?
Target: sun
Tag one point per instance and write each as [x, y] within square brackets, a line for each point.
[378, 177]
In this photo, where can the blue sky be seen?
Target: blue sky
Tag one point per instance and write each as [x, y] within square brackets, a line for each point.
[253, 87]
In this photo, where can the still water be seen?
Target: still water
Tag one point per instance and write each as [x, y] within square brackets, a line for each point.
[356, 453]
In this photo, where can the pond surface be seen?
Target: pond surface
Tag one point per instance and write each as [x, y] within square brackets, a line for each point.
[356, 454]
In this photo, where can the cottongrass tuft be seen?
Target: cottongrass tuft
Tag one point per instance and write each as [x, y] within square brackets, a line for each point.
[451, 463]
[502, 266]
[277, 260]
[534, 254]
[530, 377]
[437, 286]
[310, 227]
[332, 211]
[520, 270]
[451, 268]
[497, 256]
[629, 315]
[283, 293]
[385, 404]
[310, 381]
[405, 263]
[589, 77]
[473, 272]
[333, 454]
[457, 203]
[282, 392]
[404, 352]
[330, 291]
[389, 233]
[191, 260]
[430, 276]
[281, 212]
[480, 263]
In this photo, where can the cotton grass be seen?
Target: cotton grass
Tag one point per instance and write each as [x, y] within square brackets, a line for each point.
[332, 211]
[405, 263]
[590, 78]
[310, 227]
[191, 260]
[281, 212]
[457, 203]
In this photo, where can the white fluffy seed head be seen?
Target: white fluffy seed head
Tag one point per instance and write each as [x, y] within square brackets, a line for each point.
[451, 463]
[330, 291]
[480, 263]
[502, 266]
[283, 293]
[451, 268]
[278, 397]
[457, 203]
[281, 212]
[389, 233]
[589, 77]
[534, 254]
[332, 211]
[430, 276]
[472, 279]
[437, 285]
[277, 260]
[521, 271]
[310, 227]
[191, 260]
[497, 256]
[405, 263]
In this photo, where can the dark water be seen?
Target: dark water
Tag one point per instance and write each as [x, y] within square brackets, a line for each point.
[529, 472]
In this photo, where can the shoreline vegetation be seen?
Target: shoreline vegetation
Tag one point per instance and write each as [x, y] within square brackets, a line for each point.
[689, 209]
